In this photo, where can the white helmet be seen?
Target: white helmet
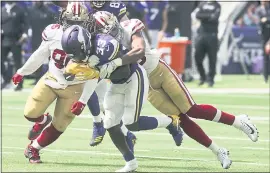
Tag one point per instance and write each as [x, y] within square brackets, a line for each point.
[76, 13]
[108, 24]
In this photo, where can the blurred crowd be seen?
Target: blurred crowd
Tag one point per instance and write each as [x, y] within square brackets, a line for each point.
[23, 23]
[252, 14]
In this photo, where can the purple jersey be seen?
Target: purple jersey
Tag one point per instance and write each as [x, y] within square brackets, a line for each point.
[107, 49]
[117, 8]
[154, 10]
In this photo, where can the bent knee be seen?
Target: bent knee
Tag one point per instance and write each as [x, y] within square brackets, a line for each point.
[61, 124]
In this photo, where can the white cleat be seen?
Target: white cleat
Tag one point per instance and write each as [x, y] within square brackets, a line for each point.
[223, 157]
[247, 127]
[129, 167]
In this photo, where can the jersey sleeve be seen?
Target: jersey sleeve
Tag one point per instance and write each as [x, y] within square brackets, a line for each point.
[36, 59]
[51, 32]
[122, 11]
[136, 26]
[89, 88]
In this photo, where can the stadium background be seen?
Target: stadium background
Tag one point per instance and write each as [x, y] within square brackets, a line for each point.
[239, 88]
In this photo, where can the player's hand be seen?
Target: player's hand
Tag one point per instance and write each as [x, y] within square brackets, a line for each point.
[93, 60]
[17, 78]
[107, 69]
[77, 108]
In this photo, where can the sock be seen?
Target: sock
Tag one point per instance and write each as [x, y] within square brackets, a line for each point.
[48, 136]
[119, 141]
[124, 129]
[194, 131]
[35, 120]
[214, 148]
[163, 121]
[93, 104]
[208, 112]
[147, 123]
[98, 118]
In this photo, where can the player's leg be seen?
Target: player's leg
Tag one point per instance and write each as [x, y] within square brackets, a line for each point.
[62, 118]
[114, 107]
[178, 92]
[95, 105]
[183, 101]
[136, 93]
[37, 103]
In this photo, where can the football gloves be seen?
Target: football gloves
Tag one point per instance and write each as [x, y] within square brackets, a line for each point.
[17, 78]
[107, 69]
[77, 108]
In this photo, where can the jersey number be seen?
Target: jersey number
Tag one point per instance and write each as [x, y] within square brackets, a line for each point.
[143, 60]
[115, 4]
[60, 58]
[154, 12]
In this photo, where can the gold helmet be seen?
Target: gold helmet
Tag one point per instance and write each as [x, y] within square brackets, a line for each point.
[76, 13]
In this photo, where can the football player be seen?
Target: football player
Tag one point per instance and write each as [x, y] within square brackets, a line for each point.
[53, 85]
[117, 8]
[124, 99]
[167, 91]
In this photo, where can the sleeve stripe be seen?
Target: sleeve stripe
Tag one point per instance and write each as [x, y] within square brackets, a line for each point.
[137, 25]
[138, 28]
[122, 11]
[116, 49]
[44, 36]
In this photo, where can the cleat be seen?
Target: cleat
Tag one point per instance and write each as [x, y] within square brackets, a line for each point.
[223, 157]
[98, 134]
[247, 127]
[131, 141]
[32, 154]
[37, 128]
[129, 167]
[175, 130]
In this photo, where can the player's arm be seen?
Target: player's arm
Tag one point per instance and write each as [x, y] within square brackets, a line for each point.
[122, 16]
[138, 46]
[137, 52]
[88, 90]
[33, 63]
[35, 60]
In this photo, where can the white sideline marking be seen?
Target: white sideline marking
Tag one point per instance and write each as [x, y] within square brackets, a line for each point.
[146, 133]
[205, 149]
[140, 156]
[6, 152]
[197, 90]
[229, 90]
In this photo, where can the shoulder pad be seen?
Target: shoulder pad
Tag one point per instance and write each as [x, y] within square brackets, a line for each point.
[136, 25]
[52, 32]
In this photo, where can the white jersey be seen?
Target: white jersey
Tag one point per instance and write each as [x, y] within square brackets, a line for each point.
[50, 48]
[152, 56]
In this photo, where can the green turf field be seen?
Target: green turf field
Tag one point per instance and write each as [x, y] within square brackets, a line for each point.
[155, 150]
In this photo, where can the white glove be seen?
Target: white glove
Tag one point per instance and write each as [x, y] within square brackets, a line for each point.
[93, 60]
[107, 69]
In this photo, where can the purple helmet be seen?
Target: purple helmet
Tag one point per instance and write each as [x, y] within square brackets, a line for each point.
[76, 42]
